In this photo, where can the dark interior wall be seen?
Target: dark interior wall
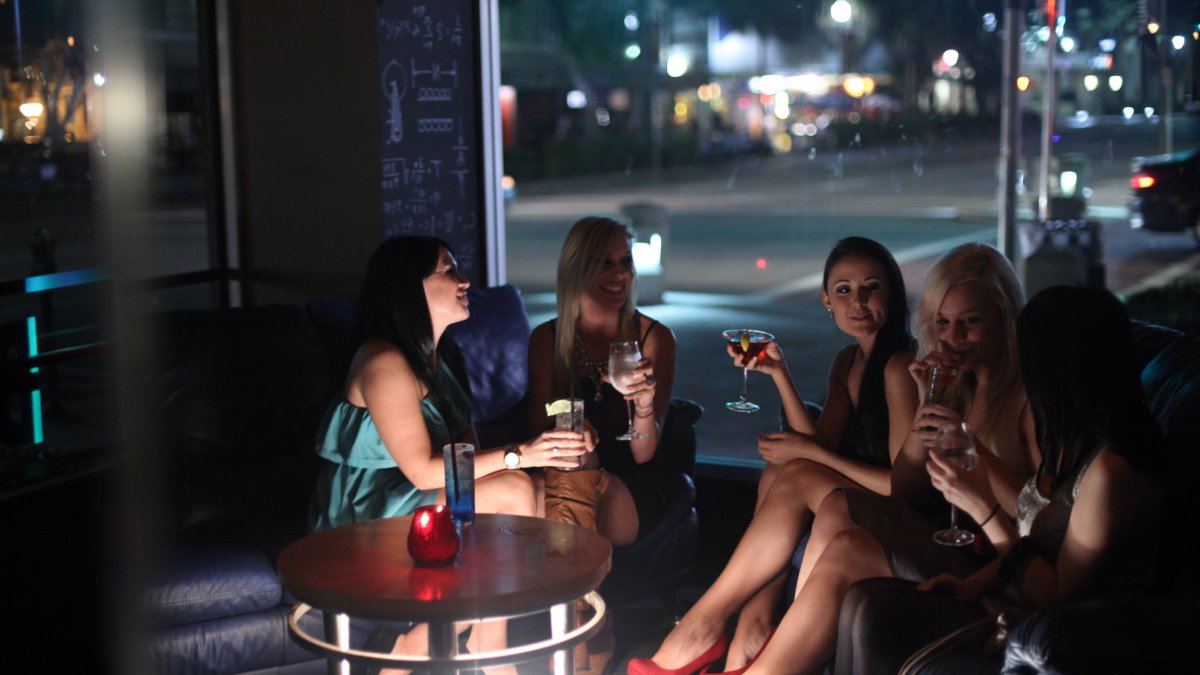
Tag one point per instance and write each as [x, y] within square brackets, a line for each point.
[306, 137]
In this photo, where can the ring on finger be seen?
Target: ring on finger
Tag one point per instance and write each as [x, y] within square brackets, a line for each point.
[554, 451]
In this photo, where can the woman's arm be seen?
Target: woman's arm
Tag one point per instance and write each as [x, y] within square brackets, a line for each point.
[384, 382]
[1113, 500]
[901, 395]
[829, 430]
[541, 378]
[652, 397]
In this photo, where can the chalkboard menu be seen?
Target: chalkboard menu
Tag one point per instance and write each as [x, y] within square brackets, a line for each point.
[429, 122]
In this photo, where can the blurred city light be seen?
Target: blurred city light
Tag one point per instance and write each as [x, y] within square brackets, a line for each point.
[761, 263]
[782, 105]
[31, 109]
[1091, 82]
[1178, 41]
[1115, 82]
[1127, 111]
[1107, 45]
[1067, 181]
[99, 79]
[1023, 83]
[989, 22]
[841, 11]
[950, 57]
[632, 51]
[603, 118]
[647, 256]
[1152, 27]
[1068, 44]
[678, 64]
[857, 86]
[576, 99]
[1149, 111]
[631, 21]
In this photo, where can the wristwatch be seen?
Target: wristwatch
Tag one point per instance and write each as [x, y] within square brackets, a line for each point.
[512, 457]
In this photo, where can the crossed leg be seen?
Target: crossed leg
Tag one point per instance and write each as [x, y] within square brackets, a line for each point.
[760, 558]
[841, 555]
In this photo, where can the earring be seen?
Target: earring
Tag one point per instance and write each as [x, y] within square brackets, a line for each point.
[830, 310]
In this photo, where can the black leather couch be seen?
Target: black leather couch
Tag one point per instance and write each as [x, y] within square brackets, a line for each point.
[238, 395]
[883, 621]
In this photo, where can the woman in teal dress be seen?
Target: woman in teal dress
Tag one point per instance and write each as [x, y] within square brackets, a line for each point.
[404, 399]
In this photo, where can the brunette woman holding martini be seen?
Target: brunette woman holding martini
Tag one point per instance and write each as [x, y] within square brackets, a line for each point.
[868, 409]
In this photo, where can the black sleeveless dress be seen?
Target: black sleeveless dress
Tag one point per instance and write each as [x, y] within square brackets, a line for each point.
[651, 483]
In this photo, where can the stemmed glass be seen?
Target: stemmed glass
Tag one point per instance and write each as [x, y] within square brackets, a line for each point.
[749, 343]
[955, 443]
[623, 359]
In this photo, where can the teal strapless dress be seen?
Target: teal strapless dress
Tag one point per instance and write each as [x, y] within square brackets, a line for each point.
[360, 480]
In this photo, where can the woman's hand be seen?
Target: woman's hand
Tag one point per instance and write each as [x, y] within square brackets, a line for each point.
[782, 447]
[557, 447]
[929, 418]
[920, 369]
[769, 360]
[969, 589]
[969, 490]
[643, 389]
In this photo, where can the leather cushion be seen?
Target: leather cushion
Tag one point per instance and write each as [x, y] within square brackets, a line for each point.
[495, 347]
[204, 583]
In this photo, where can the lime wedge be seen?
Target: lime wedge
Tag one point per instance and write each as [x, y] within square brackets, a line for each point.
[562, 405]
[745, 342]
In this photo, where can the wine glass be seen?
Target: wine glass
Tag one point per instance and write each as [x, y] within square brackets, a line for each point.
[623, 359]
[955, 443]
[749, 343]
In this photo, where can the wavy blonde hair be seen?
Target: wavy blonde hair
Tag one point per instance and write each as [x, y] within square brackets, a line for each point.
[582, 256]
[987, 270]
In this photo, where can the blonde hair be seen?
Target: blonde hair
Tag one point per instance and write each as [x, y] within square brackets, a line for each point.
[985, 269]
[582, 256]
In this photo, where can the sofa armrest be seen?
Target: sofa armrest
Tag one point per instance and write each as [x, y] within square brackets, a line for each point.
[1144, 635]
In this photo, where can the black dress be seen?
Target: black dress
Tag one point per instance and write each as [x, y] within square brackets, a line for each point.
[652, 483]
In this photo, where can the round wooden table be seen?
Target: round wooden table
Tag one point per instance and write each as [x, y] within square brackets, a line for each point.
[508, 566]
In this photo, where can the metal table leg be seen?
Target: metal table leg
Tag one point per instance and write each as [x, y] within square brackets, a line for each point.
[337, 631]
[562, 621]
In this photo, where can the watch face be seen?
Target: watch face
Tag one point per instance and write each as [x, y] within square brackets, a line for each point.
[512, 459]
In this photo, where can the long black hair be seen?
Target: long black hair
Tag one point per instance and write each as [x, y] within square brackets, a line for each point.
[1075, 346]
[392, 307]
[893, 336]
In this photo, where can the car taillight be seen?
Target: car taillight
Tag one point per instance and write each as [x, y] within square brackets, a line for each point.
[1142, 181]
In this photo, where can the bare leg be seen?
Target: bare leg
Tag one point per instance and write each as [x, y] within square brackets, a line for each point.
[802, 482]
[805, 639]
[511, 492]
[757, 618]
[763, 554]
[617, 517]
[754, 623]
[832, 518]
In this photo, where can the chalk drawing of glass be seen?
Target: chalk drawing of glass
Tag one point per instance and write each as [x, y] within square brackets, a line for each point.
[395, 84]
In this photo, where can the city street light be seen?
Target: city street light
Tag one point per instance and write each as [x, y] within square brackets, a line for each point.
[841, 11]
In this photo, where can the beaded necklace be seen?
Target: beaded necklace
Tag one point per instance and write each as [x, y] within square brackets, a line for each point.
[594, 369]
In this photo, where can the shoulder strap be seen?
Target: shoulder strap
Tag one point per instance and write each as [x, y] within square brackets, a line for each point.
[653, 323]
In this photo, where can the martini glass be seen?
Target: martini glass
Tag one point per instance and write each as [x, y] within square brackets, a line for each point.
[748, 343]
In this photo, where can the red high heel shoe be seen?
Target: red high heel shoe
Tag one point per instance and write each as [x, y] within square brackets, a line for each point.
[739, 671]
[699, 665]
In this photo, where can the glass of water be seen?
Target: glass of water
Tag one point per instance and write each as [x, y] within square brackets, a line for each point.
[955, 443]
[623, 359]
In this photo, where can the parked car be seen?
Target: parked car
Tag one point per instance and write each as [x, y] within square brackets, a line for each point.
[1166, 193]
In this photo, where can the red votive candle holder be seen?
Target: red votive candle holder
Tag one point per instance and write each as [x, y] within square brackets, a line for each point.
[433, 538]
